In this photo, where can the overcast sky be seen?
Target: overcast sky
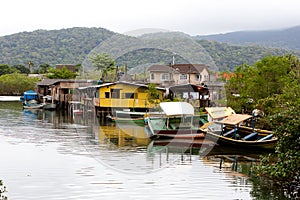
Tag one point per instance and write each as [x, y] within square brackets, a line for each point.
[194, 17]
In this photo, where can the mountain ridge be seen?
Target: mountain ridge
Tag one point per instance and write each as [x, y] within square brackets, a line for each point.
[73, 46]
[286, 38]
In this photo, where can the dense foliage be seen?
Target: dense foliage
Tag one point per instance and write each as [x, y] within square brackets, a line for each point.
[273, 85]
[103, 63]
[73, 46]
[227, 57]
[66, 46]
[63, 73]
[16, 84]
[6, 69]
[2, 191]
[284, 39]
[252, 83]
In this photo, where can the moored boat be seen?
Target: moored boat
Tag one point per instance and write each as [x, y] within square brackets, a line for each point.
[128, 117]
[231, 132]
[30, 100]
[32, 104]
[48, 103]
[177, 122]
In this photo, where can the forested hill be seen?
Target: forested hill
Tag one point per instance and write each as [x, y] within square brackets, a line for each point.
[71, 46]
[285, 38]
[227, 56]
[51, 47]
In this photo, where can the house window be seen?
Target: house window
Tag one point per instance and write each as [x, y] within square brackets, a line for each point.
[152, 76]
[165, 77]
[106, 95]
[183, 77]
[205, 78]
[97, 94]
[129, 95]
[198, 77]
[115, 93]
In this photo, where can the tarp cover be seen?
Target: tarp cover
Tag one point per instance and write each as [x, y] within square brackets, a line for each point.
[177, 108]
[29, 95]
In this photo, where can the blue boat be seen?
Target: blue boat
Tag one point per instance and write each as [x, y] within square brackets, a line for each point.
[30, 100]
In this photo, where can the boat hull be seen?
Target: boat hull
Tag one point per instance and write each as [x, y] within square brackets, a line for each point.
[49, 106]
[178, 134]
[226, 141]
[33, 106]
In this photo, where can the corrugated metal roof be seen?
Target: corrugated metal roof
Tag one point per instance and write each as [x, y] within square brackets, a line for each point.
[121, 82]
[48, 82]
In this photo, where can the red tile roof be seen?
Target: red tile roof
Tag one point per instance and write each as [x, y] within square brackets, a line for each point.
[181, 68]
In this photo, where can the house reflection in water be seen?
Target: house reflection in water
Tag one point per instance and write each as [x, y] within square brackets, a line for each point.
[122, 135]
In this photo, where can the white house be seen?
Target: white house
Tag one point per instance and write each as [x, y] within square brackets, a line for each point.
[178, 74]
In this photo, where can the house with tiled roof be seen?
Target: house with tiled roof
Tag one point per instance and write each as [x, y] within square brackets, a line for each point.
[178, 74]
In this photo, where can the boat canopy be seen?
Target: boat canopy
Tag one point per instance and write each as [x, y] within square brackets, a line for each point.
[177, 108]
[29, 95]
[234, 119]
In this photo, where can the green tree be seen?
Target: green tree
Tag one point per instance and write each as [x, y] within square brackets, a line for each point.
[153, 94]
[104, 63]
[274, 85]
[5, 69]
[2, 191]
[261, 80]
[284, 118]
[43, 68]
[64, 73]
[21, 69]
[16, 83]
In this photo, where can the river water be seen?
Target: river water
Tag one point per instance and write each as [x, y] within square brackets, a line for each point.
[50, 155]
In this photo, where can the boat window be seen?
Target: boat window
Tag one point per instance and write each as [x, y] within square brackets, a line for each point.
[106, 95]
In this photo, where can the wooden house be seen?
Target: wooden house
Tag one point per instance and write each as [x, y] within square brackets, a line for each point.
[123, 95]
[62, 90]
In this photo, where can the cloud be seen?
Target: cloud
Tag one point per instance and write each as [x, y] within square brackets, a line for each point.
[191, 16]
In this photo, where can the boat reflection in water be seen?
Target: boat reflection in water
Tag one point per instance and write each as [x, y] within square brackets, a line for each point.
[88, 160]
[127, 148]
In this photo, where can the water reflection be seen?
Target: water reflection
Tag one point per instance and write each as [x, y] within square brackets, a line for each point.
[53, 155]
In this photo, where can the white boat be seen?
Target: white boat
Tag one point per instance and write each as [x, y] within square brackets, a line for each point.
[48, 103]
[177, 122]
[128, 117]
[32, 104]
